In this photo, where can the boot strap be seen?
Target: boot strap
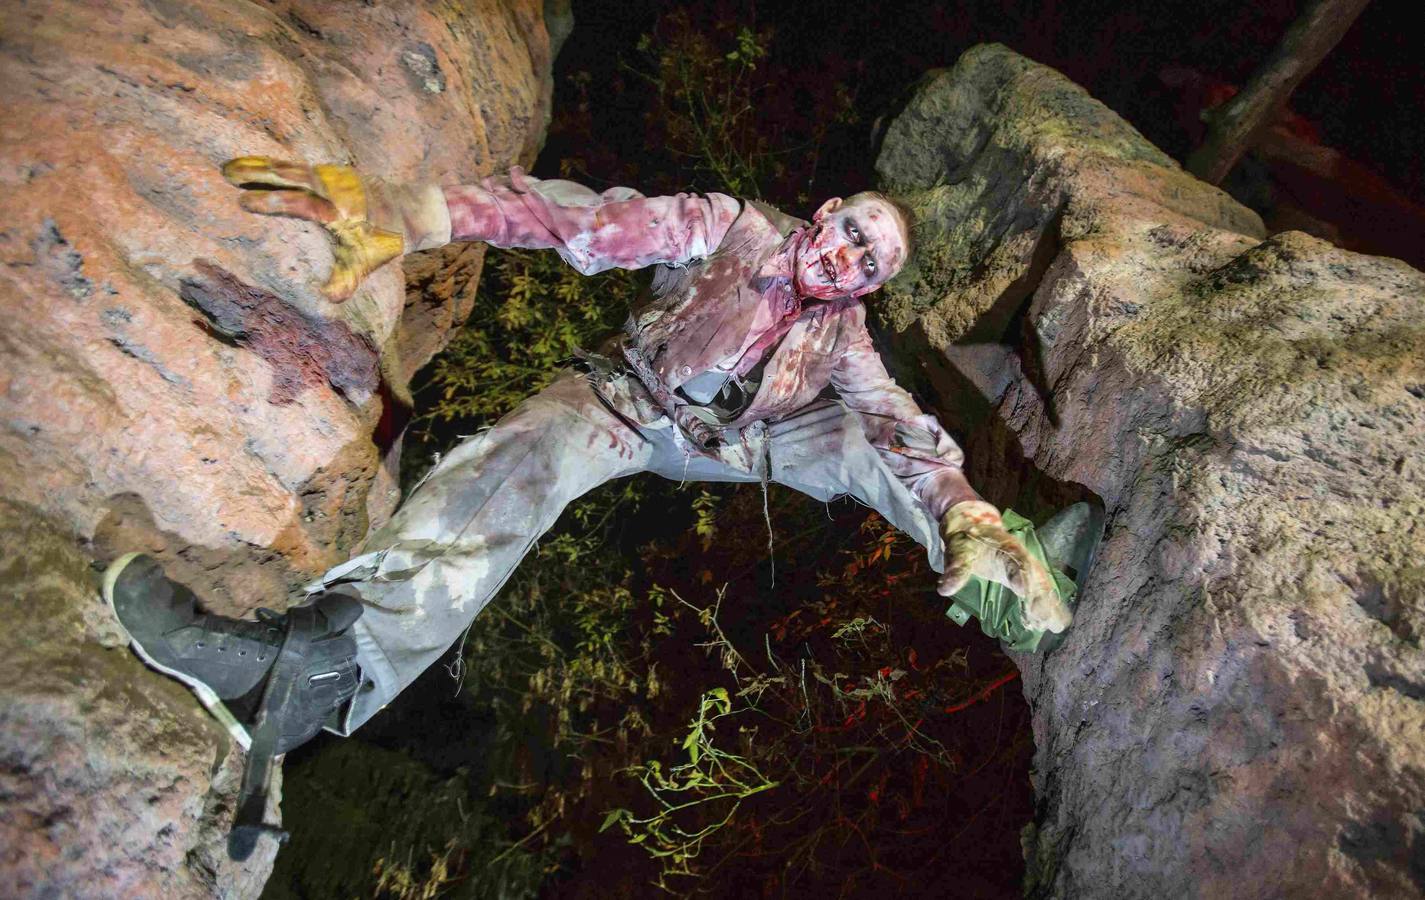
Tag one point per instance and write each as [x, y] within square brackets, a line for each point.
[281, 690]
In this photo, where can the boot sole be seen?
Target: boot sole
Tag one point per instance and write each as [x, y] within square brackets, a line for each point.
[206, 696]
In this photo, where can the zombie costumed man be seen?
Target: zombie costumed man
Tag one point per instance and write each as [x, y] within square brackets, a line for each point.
[719, 377]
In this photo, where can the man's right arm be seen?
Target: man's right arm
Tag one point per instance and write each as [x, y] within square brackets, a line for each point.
[619, 228]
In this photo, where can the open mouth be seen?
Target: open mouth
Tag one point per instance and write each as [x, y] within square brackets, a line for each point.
[827, 270]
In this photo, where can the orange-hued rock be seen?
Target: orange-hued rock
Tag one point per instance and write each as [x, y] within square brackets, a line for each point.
[131, 406]
[171, 380]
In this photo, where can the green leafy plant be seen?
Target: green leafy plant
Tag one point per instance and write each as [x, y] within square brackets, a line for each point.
[711, 85]
[401, 880]
[532, 314]
[712, 784]
[705, 511]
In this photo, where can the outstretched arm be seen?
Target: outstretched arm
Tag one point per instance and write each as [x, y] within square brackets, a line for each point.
[911, 442]
[919, 452]
[619, 228]
[372, 221]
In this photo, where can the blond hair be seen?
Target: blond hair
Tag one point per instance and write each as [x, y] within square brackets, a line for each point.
[900, 209]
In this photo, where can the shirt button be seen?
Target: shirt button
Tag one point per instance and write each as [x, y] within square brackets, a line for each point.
[687, 370]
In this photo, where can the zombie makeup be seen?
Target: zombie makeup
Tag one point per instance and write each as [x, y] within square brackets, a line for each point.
[850, 249]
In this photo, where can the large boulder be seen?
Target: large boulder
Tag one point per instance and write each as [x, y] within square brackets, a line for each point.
[1239, 709]
[171, 381]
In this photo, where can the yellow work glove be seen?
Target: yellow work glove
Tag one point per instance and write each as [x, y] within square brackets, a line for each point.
[977, 545]
[370, 221]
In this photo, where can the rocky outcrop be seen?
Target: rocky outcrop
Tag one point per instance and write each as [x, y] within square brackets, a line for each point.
[115, 784]
[171, 381]
[1239, 710]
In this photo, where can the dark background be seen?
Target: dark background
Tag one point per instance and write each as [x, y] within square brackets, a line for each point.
[1365, 99]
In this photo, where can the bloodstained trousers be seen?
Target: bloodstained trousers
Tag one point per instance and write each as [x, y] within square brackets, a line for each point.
[428, 573]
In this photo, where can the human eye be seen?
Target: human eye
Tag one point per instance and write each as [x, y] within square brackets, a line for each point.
[870, 264]
[853, 232]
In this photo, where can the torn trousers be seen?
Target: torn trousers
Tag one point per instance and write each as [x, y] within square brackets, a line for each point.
[428, 573]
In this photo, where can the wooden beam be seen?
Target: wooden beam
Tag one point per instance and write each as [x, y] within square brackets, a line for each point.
[1235, 126]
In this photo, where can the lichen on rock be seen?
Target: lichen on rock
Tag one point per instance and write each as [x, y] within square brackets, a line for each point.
[1240, 705]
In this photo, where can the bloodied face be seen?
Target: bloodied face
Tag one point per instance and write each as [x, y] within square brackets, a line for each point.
[851, 248]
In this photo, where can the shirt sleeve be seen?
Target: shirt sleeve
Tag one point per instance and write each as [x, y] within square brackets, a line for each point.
[619, 228]
[911, 442]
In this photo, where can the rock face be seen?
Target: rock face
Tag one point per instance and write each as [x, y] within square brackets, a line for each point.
[115, 784]
[171, 381]
[1239, 710]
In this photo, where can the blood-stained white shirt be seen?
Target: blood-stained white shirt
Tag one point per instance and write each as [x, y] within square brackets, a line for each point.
[621, 228]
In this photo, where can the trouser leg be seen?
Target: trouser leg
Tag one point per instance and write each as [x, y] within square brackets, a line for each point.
[822, 451]
[458, 537]
[427, 574]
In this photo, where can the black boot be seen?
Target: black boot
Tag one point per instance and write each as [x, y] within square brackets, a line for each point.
[293, 671]
[1070, 540]
[1072, 536]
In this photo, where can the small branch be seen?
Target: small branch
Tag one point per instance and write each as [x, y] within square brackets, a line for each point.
[517, 844]
[983, 694]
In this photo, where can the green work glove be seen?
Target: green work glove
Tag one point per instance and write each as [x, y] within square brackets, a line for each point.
[370, 221]
[989, 560]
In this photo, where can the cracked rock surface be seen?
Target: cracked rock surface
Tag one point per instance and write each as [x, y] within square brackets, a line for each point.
[171, 381]
[1239, 709]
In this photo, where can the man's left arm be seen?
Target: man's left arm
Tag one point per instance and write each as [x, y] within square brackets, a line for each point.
[910, 441]
[918, 451]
